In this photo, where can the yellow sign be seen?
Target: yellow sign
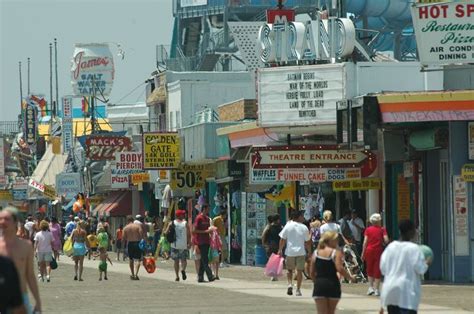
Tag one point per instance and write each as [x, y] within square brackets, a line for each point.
[140, 177]
[49, 192]
[191, 176]
[357, 185]
[467, 172]
[56, 142]
[6, 195]
[161, 151]
[403, 198]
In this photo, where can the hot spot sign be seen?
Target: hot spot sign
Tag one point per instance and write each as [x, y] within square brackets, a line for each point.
[161, 150]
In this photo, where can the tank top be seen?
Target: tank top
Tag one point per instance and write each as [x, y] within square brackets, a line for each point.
[181, 242]
[325, 267]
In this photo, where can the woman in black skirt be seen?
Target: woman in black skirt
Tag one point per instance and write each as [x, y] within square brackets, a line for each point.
[326, 262]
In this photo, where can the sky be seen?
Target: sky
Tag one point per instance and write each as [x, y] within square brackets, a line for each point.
[28, 26]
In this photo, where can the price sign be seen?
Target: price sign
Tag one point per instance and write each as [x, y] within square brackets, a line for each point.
[190, 176]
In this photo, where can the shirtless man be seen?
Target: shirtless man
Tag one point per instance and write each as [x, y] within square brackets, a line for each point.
[132, 234]
[21, 252]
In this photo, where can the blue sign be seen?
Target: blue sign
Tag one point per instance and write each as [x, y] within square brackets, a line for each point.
[20, 195]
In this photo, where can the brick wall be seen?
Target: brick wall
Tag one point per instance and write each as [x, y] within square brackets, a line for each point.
[238, 110]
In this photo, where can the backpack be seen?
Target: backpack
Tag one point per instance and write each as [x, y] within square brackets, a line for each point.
[171, 234]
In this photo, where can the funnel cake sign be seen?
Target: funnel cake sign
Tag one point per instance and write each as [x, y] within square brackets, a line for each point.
[92, 71]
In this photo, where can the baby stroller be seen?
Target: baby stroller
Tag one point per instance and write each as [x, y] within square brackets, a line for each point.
[351, 263]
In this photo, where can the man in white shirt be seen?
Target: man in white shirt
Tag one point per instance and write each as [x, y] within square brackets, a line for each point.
[295, 236]
[180, 247]
[357, 226]
[403, 264]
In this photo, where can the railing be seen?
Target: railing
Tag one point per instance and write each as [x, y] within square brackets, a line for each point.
[9, 127]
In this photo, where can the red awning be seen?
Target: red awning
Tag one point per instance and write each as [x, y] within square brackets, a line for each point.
[119, 204]
[112, 198]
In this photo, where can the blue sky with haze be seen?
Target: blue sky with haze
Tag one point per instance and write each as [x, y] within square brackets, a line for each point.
[28, 26]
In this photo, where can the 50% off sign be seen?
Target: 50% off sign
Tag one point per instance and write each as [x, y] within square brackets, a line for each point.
[190, 177]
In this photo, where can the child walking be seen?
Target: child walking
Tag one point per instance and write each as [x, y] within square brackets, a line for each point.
[103, 257]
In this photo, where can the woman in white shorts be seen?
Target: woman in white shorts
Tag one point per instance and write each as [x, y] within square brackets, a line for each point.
[44, 250]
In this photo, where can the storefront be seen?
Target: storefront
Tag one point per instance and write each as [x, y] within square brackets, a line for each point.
[426, 141]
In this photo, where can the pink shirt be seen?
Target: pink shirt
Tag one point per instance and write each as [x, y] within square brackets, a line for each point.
[56, 233]
[43, 240]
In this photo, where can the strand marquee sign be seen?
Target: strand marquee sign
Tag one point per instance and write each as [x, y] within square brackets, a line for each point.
[282, 40]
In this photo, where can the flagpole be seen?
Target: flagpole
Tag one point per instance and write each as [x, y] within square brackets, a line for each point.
[56, 70]
[28, 76]
[53, 113]
[21, 83]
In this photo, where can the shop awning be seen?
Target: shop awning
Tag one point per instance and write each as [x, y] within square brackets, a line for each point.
[118, 203]
[79, 127]
[247, 134]
[427, 106]
[157, 96]
[48, 167]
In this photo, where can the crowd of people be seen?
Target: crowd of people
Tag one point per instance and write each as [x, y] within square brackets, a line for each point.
[308, 247]
[316, 247]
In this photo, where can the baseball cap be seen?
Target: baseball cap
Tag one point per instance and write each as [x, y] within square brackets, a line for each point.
[76, 218]
[138, 216]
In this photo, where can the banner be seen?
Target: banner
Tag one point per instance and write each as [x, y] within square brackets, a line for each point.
[119, 181]
[3, 182]
[49, 192]
[357, 185]
[444, 32]
[470, 138]
[68, 185]
[20, 183]
[67, 125]
[161, 151]
[5, 195]
[36, 185]
[461, 217]
[271, 176]
[302, 157]
[30, 123]
[192, 3]
[103, 147]
[20, 195]
[56, 143]
[127, 163]
[137, 178]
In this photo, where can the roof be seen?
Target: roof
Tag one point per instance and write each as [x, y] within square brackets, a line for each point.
[48, 167]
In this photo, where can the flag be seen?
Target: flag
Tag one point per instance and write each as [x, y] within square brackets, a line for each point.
[85, 106]
[41, 103]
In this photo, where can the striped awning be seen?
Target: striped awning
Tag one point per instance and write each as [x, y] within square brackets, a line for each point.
[427, 106]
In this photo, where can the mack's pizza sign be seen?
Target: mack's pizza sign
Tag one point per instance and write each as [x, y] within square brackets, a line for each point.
[104, 147]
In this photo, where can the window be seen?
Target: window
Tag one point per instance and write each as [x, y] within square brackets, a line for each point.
[178, 119]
